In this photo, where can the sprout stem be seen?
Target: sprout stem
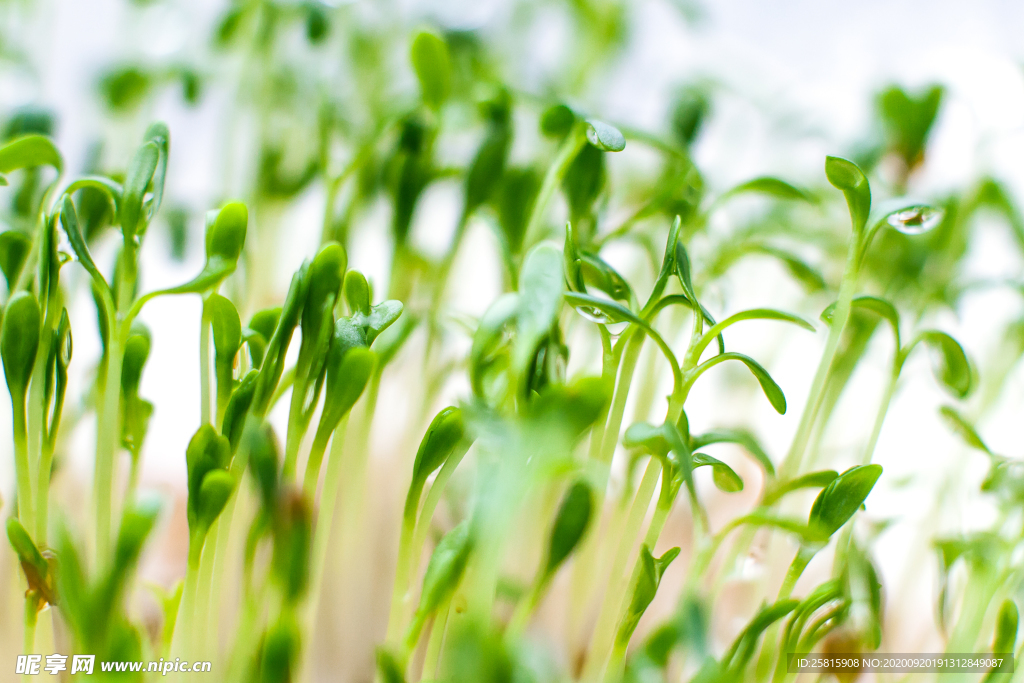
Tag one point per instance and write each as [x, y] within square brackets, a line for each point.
[436, 642]
[847, 287]
[618, 584]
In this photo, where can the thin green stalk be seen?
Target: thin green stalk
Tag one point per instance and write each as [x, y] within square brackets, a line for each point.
[847, 287]
[205, 390]
[769, 648]
[401, 595]
[186, 610]
[23, 475]
[604, 631]
[325, 516]
[574, 141]
[30, 624]
[401, 591]
[883, 408]
[108, 429]
[42, 497]
[204, 591]
[437, 632]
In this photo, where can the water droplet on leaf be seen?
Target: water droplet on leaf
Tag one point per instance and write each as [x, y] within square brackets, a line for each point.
[594, 314]
[916, 219]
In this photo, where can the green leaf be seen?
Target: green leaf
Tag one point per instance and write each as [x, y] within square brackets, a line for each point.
[689, 111]
[488, 165]
[846, 176]
[515, 198]
[651, 571]
[487, 340]
[19, 342]
[773, 187]
[348, 371]
[810, 480]
[238, 409]
[760, 518]
[740, 437]
[1005, 638]
[841, 499]
[225, 239]
[443, 436]
[605, 137]
[279, 657]
[570, 525]
[206, 451]
[725, 477]
[32, 561]
[541, 284]
[293, 527]
[880, 307]
[214, 492]
[30, 151]
[381, 317]
[69, 219]
[357, 292]
[389, 668]
[557, 120]
[963, 428]
[137, 180]
[430, 60]
[137, 522]
[14, 248]
[136, 353]
[583, 181]
[742, 649]
[444, 570]
[265, 464]
[158, 134]
[326, 275]
[908, 120]
[768, 385]
[667, 444]
[227, 328]
[953, 369]
[810, 278]
[125, 88]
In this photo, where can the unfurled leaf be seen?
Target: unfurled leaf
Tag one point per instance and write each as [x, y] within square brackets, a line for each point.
[30, 151]
[19, 342]
[768, 385]
[773, 187]
[953, 369]
[557, 120]
[571, 524]
[741, 437]
[14, 248]
[963, 428]
[846, 176]
[444, 434]
[651, 571]
[810, 480]
[841, 499]
[605, 137]
[725, 477]
[430, 60]
[444, 572]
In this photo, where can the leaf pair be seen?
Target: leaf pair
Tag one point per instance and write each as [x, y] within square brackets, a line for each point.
[209, 484]
[648, 580]
[444, 572]
[953, 369]
[93, 607]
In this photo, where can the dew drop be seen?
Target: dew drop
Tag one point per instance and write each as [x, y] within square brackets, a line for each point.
[594, 314]
[915, 220]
